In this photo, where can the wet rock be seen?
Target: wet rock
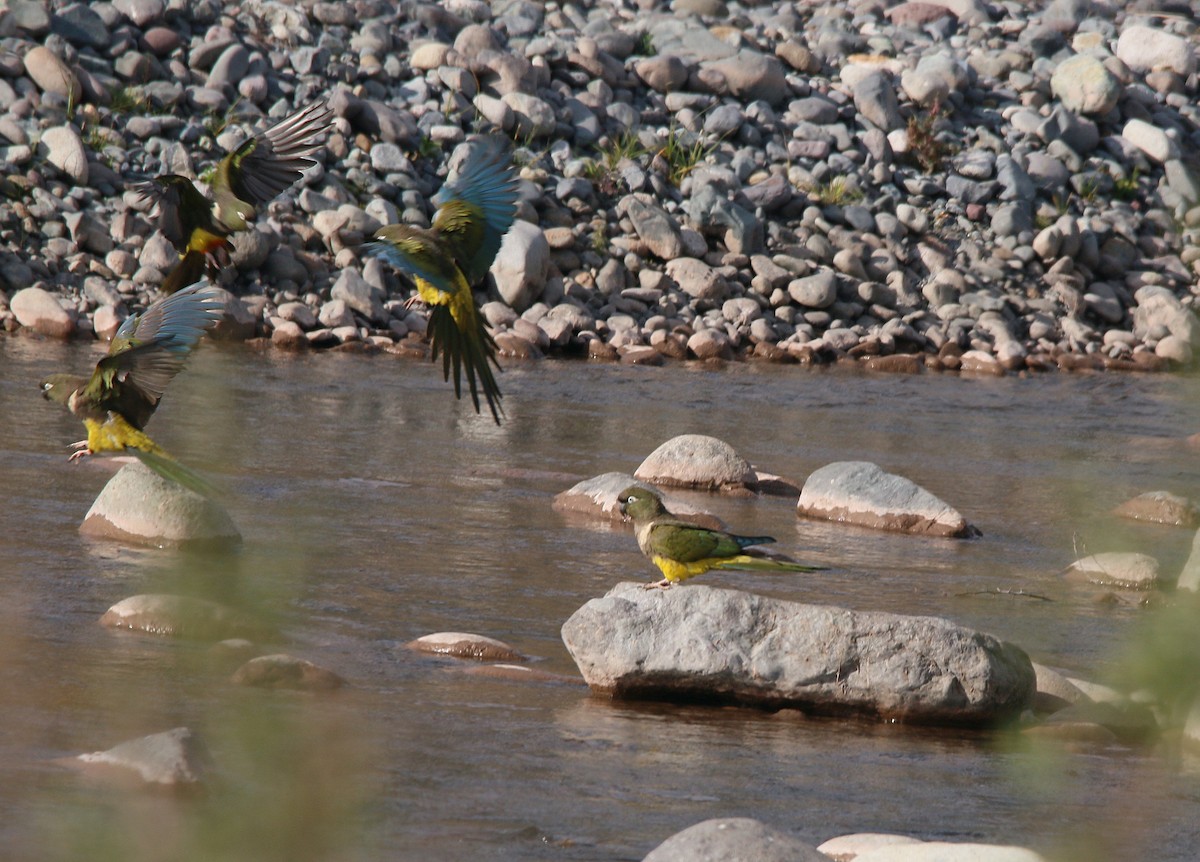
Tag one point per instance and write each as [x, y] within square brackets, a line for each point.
[40, 310]
[1160, 507]
[860, 493]
[465, 645]
[725, 839]
[280, 670]
[700, 643]
[598, 498]
[1099, 722]
[141, 507]
[697, 461]
[181, 616]
[522, 673]
[945, 851]
[1126, 570]
[174, 758]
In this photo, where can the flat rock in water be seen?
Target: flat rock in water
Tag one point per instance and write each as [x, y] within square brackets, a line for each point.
[698, 643]
[1125, 570]
[861, 493]
[845, 848]
[181, 616]
[173, 758]
[140, 506]
[725, 839]
[597, 498]
[465, 645]
[280, 670]
[945, 851]
[1160, 507]
[697, 461]
[41, 311]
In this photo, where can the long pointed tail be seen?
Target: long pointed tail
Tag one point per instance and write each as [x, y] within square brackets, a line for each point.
[744, 562]
[170, 469]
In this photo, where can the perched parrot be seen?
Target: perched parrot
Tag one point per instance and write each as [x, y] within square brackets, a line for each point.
[117, 401]
[682, 550]
[248, 178]
[474, 212]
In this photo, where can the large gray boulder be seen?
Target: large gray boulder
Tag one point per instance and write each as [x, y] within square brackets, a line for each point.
[861, 493]
[713, 645]
[140, 506]
[733, 839]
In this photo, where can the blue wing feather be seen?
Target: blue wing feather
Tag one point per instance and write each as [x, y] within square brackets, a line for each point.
[488, 188]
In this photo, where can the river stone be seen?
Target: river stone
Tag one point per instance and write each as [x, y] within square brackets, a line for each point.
[861, 493]
[697, 279]
[175, 757]
[181, 616]
[51, 74]
[1125, 570]
[875, 99]
[598, 498]
[38, 309]
[140, 506]
[695, 642]
[1189, 578]
[730, 839]
[845, 848]
[1151, 140]
[654, 226]
[1055, 690]
[522, 265]
[465, 645]
[280, 670]
[63, 148]
[697, 461]
[1085, 85]
[945, 851]
[749, 76]
[1145, 49]
[237, 321]
[1160, 507]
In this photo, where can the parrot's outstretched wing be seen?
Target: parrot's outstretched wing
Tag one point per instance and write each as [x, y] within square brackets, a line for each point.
[261, 168]
[476, 209]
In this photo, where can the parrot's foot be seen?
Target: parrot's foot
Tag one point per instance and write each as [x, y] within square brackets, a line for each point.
[81, 451]
[664, 584]
[415, 299]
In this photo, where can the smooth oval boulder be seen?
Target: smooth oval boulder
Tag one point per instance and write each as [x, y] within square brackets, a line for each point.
[861, 493]
[597, 498]
[1126, 570]
[698, 461]
[38, 309]
[946, 851]
[724, 839]
[172, 758]
[182, 616]
[844, 848]
[140, 506]
[698, 643]
[1160, 507]
[280, 670]
[465, 645]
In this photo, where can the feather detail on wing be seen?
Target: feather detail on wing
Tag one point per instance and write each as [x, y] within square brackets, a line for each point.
[477, 208]
[267, 164]
[417, 253]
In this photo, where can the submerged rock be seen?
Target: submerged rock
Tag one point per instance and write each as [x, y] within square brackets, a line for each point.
[861, 493]
[41, 311]
[1126, 570]
[280, 670]
[1160, 507]
[465, 645]
[699, 643]
[181, 616]
[698, 461]
[732, 838]
[175, 757]
[140, 506]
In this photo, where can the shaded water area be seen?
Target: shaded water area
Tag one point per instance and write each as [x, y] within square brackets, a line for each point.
[376, 509]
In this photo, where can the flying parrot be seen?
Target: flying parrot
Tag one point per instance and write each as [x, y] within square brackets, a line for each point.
[474, 212]
[244, 180]
[117, 401]
[682, 550]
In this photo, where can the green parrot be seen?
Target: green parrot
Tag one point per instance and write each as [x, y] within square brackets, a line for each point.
[244, 180]
[445, 262]
[682, 550]
[119, 398]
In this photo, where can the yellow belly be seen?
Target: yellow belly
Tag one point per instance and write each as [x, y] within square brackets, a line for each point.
[675, 571]
[204, 241]
[114, 434]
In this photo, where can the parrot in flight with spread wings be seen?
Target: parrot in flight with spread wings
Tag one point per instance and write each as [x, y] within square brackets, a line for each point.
[120, 396]
[242, 182]
[475, 211]
[682, 550]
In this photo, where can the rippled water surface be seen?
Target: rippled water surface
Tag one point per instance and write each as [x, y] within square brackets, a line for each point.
[376, 509]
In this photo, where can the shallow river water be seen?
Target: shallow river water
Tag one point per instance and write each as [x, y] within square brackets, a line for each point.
[376, 509]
